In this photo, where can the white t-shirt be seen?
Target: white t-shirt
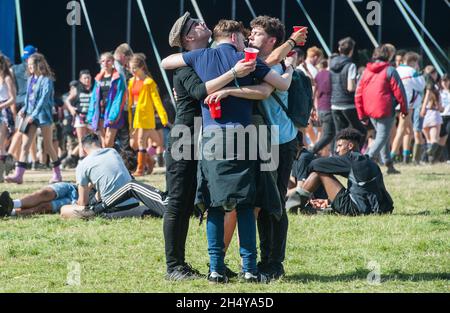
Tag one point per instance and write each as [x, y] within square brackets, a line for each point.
[445, 100]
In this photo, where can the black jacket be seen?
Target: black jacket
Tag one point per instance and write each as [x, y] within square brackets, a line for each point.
[365, 180]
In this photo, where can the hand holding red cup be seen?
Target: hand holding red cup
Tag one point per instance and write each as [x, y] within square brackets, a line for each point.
[215, 109]
[296, 29]
[250, 54]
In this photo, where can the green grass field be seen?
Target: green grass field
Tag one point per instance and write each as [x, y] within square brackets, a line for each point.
[410, 248]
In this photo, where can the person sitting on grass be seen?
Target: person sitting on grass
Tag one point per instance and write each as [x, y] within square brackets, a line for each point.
[366, 193]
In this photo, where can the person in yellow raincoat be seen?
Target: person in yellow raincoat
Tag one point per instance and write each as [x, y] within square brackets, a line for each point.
[143, 103]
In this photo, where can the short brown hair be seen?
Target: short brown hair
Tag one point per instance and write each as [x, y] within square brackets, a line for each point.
[410, 57]
[124, 49]
[391, 50]
[323, 63]
[381, 54]
[314, 51]
[272, 26]
[346, 45]
[225, 28]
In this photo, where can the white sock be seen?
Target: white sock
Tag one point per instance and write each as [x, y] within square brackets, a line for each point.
[17, 204]
[13, 212]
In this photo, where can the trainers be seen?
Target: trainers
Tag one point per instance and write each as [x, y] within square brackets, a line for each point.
[216, 278]
[6, 204]
[183, 272]
[255, 278]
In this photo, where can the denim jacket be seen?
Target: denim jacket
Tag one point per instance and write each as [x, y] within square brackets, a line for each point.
[44, 101]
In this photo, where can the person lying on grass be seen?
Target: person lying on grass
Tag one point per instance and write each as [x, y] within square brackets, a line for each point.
[104, 171]
[366, 192]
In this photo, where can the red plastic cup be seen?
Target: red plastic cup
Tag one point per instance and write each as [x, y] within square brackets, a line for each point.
[291, 53]
[215, 109]
[296, 29]
[250, 54]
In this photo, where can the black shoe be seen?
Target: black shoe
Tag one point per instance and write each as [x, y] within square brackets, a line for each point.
[216, 278]
[308, 210]
[183, 272]
[259, 278]
[6, 204]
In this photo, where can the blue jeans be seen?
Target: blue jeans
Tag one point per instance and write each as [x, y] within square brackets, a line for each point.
[66, 193]
[247, 239]
[383, 128]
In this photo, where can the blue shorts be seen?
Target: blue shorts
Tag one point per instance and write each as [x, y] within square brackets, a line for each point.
[66, 193]
[417, 120]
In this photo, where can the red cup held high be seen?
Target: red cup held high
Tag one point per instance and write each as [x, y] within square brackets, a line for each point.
[250, 54]
[215, 109]
[296, 29]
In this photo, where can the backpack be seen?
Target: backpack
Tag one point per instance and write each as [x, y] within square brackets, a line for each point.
[300, 99]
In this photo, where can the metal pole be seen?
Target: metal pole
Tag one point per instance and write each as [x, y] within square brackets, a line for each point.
[233, 9]
[155, 50]
[19, 25]
[363, 23]
[380, 27]
[283, 11]
[197, 10]
[332, 13]
[181, 7]
[420, 39]
[424, 29]
[74, 51]
[88, 21]
[315, 29]
[250, 8]
[422, 19]
[129, 22]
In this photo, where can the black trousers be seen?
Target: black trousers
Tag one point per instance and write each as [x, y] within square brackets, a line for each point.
[123, 134]
[181, 180]
[348, 118]
[154, 199]
[273, 232]
[328, 130]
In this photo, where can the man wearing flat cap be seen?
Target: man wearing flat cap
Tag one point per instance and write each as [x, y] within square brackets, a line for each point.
[189, 34]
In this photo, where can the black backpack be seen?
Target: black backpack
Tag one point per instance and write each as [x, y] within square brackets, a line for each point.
[300, 99]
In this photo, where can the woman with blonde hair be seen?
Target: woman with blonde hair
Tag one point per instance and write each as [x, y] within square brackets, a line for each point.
[143, 103]
[7, 100]
[107, 101]
[37, 112]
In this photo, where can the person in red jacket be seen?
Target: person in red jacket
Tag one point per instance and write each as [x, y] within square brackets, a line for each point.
[374, 99]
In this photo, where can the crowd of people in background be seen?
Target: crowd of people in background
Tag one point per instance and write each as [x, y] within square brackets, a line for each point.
[387, 111]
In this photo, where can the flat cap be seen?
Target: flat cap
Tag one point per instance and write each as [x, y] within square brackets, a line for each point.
[179, 28]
